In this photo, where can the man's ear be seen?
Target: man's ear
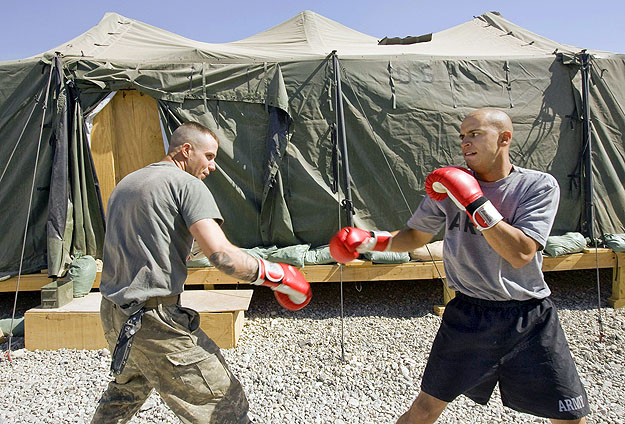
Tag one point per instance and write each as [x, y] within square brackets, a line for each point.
[505, 137]
[185, 149]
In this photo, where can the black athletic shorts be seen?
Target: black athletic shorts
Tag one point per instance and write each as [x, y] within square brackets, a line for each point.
[518, 344]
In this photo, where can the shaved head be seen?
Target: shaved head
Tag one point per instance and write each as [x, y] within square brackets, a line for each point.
[493, 117]
[192, 133]
[485, 137]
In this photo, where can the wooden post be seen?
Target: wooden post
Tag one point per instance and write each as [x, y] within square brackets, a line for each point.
[448, 294]
[617, 300]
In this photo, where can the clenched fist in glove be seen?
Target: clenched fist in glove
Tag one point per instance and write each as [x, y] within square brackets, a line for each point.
[349, 242]
[465, 191]
[289, 286]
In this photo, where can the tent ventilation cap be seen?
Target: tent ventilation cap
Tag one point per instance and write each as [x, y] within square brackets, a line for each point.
[406, 40]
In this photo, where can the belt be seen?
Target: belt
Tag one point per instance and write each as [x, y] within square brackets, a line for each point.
[153, 302]
[498, 303]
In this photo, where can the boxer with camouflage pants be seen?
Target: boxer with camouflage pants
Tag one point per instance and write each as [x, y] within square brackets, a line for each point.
[153, 216]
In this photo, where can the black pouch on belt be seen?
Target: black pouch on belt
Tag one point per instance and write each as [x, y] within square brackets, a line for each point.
[124, 342]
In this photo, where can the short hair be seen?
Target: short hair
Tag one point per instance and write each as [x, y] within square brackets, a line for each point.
[494, 117]
[186, 133]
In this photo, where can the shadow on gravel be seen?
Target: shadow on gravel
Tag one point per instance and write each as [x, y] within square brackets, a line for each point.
[25, 301]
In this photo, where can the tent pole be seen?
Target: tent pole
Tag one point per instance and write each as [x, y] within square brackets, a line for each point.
[588, 185]
[587, 225]
[342, 141]
[347, 201]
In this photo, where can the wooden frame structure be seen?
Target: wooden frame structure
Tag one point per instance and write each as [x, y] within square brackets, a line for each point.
[366, 271]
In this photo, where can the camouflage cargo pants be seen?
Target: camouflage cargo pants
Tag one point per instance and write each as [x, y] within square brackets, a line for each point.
[172, 355]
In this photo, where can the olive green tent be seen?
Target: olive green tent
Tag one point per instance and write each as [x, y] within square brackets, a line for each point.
[271, 100]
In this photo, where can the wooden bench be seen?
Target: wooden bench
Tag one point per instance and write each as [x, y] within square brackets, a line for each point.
[366, 271]
[77, 325]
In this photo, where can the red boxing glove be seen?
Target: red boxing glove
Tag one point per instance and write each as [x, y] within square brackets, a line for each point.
[465, 191]
[350, 242]
[289, 286]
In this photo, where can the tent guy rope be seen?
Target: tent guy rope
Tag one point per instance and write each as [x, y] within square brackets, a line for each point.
[32, 189]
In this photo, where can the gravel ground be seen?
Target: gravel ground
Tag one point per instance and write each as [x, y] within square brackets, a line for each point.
[290, 362]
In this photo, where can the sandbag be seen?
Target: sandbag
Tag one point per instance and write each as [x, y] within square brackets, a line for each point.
[562, 245]
[197, 259]
[319, 256]
[82, 272]
[293, 255]
[18, 327]
[615, 242]
[429, 252]
[261, 252]
[387, 257]
[201, 262]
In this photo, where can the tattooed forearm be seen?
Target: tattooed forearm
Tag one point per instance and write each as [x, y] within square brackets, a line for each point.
[238, 264]
[223, 262]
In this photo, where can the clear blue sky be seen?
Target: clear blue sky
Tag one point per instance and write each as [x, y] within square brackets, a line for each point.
[29, 27]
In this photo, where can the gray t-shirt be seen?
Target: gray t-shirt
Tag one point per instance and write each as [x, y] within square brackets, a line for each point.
[147, 237]
[528, 200]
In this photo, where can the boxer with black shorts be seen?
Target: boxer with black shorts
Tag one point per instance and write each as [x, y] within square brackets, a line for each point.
[501, 328]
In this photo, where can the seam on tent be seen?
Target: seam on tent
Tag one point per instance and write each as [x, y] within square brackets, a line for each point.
[328, 88]
[204, 89]
[113, 37]
[451, 84]
[609, 90]
[508, 82]
[391, 82]
[190, 80]
[318, 40]
[266, 80]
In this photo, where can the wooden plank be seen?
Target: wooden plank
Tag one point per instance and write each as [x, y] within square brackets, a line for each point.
[28, 282]
[77, 324]
[604, 258]
[366, 271]
[33, 282]
[238, 326]
[220, 327]
[200, 300]
[102, 142]
[439, 310]
[217, 300]
[138, 140]
[356, 271]
[49, 329]
[126, 136]
[448, 294]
